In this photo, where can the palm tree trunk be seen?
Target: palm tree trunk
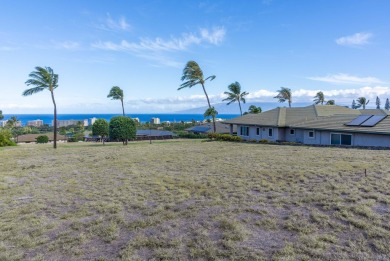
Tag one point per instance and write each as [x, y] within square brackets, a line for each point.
[55, 120]
[289, 103]
[239, 104]
[123, 108]
[208, 102]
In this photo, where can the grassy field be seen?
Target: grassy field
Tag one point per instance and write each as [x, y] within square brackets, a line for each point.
[193, 200]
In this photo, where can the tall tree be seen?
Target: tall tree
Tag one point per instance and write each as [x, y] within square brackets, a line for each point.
[100, 128]
[362, 102]
[1, 115]
[378, 103]
[235, 95]
[284, 94]
[193, 75]
[387, 104]
[330, 102]
[211, 112]
[353, 106]
[44, 78]
[319, 98]
[116, 93]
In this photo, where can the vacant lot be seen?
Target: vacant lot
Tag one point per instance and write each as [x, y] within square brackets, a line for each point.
[193, 200]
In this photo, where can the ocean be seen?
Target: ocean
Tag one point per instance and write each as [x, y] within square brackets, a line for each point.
[47, 118]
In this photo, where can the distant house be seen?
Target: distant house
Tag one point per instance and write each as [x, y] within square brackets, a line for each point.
[30, 138]
[154, 135]
[205, 128]
[317, 124]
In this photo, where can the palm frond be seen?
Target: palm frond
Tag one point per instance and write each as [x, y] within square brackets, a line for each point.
[188, 84]
[32, 91]
[212, 77]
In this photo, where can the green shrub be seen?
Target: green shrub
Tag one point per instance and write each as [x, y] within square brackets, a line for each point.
[223, 137]
[263, 141]
[42, 139]
[122, 128]
[191, 135]
[5, 138]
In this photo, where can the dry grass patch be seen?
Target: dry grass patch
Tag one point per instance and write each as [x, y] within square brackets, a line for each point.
[193, 200]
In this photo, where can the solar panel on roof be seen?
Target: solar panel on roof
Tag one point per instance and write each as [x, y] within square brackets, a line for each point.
[374, 120]
[358, 120]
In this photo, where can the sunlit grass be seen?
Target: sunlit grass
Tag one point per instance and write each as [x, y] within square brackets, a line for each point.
[193, 200]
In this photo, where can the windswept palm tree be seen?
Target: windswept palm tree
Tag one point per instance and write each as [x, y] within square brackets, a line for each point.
[211, 112]
[319, 98]
[193, 75]
[330, 102]
[44, 78]
[235, 95]
[116, 93]
[362, 102]
[284, 94]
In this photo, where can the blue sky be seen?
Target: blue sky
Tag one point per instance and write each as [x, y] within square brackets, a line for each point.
[339, 47]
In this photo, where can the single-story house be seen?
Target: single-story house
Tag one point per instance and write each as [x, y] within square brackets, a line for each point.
[29, 138]
[317, 125]
[205, 128]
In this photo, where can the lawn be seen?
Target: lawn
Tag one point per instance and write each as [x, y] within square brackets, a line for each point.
[193, 200]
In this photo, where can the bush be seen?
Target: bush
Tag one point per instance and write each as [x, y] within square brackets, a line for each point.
[223, 137]
[191, 135]
[78, 136]
[122, 128]
[42, 139]
[5, 138]
[263, 141]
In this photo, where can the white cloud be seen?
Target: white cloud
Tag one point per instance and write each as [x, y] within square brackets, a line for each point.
[68, 45]
[355, 39]
[111, 24]
[215, 37]
[156, 49]
[342, 78]
[340, 95]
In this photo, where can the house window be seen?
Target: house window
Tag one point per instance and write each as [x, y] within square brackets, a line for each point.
[244, 130]
[270, 132]
[311, 134]
[340, 139]
[257, 131]
[292, 131]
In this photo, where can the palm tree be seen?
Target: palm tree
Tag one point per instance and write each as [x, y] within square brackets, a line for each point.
[1, 115]
[330, 102]
[362, 102]
[116, 93]
[193, 75]
[211, 112]
[12, 122]
[44, 79]
[319, 98]
[235, 95]
[254, 110]
[284, 94]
